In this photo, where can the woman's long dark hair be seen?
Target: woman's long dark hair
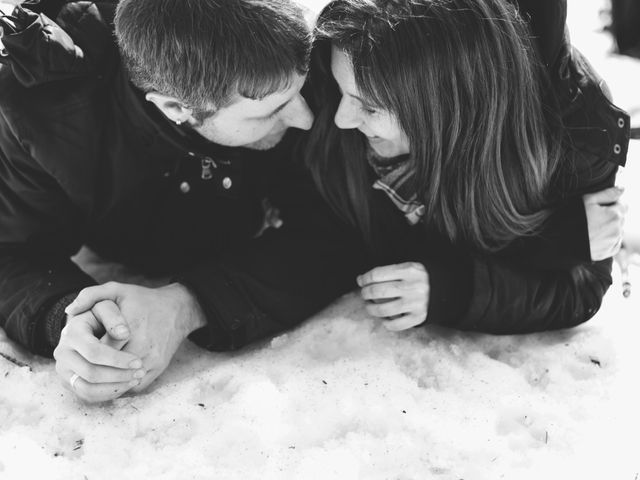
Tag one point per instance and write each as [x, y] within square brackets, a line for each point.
[463, 80]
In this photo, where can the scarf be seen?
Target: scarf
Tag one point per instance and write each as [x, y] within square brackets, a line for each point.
[394, 175]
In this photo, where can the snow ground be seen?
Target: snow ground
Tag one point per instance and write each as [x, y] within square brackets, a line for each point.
[342, 398]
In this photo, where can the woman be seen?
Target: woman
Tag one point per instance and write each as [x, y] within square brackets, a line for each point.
[444, 108]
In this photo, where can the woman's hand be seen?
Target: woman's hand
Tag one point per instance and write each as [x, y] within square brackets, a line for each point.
[398, 294]
[605, 221]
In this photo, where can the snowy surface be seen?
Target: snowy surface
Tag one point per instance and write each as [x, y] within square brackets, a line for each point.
[342, 398]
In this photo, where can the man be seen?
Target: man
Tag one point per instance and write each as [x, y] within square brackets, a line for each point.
[182, 194]
[161, 161]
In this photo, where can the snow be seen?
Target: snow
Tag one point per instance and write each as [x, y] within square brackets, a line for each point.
[342, 398]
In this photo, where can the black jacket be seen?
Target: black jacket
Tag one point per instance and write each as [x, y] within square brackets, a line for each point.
[84, 159]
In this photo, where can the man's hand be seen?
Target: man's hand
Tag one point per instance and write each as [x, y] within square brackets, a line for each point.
[159, 320]
[605, 222]
[397, 293]
[103, 372]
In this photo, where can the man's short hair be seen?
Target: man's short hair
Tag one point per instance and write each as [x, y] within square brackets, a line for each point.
[204, 52]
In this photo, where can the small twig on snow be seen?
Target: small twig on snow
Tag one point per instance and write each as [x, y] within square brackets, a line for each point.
[14, 360]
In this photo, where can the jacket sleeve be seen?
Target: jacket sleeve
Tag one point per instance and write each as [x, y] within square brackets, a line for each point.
[563, 241]
[491, 293]
[38, 234]
[506, 298]
[596, 140]
[281, 278]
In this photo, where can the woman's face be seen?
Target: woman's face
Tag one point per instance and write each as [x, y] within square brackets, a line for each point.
[381, 127]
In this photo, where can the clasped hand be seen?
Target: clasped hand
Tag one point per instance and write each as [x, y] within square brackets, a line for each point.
[121, 337]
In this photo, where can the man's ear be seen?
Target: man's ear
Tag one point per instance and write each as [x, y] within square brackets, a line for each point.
[171, 107]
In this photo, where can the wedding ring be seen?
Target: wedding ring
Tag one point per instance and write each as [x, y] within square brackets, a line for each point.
[72, 381]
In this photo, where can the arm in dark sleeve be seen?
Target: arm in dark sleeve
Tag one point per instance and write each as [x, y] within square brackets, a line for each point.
[507, 299]
[538, 283]
[37, 225]
[280, 279]
[563, 240]
[595, 142]
[489, 293]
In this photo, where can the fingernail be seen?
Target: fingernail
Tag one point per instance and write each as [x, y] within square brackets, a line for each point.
[139, 374]
[134, 383]
[135, 364]
[69, 307]
[122, 331]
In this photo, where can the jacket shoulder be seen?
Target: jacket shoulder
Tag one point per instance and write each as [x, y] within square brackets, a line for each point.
[79, 42]
[58, 125]
[47, 102]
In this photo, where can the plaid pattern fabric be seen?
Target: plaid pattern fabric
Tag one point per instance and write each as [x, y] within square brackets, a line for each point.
[394, 177]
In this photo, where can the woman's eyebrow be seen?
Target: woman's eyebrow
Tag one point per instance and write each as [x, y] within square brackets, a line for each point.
[361, 100]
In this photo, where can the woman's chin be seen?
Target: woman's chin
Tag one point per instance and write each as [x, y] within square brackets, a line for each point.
[384, 148]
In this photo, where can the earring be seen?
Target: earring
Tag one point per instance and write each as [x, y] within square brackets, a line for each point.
[178, 122]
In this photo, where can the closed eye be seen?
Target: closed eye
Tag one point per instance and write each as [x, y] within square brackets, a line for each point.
[276, 111]
[369, 110]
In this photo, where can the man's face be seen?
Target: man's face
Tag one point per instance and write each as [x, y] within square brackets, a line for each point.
[259, 124]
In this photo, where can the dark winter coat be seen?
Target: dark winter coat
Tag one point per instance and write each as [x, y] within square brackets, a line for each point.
[84, 159]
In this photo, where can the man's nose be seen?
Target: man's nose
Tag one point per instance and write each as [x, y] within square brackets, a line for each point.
[298, 114]
[347, 115]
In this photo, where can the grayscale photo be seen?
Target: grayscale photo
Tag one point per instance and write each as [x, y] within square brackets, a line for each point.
[319, 239]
